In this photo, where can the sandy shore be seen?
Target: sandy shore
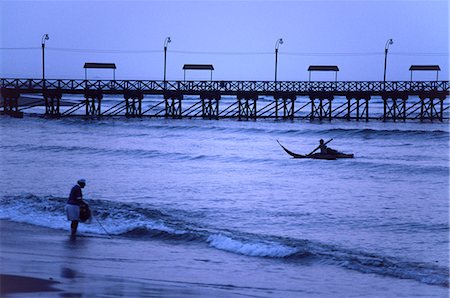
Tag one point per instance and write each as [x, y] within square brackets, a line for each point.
[39, 261]
[43, 262]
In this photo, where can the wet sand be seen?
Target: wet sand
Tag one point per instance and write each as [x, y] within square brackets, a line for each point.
[21, 284]
[43, 262]
[37, 260]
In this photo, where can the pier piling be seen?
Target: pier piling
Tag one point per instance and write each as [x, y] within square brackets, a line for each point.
[11, 102]
[210, 105]
[321, 109]
[432, 106]
[173, 105]
[93, 102]
[133, 103]
[52, 99]
[247, 105]
[361, 109]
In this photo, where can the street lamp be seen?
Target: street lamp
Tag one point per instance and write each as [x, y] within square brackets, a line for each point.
[166, 42]
[386, 48]
[44, 38]
[277, 45]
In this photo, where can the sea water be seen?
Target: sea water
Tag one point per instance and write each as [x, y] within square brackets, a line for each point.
[228, 186]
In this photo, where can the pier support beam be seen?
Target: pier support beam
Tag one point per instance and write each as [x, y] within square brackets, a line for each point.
[173, 104]
[394, 106]
[52, 103]
[247, 105]
[11, 102]
[321, 106]
[359, 104]
[210, 105]
[432, 106]
[93, 102]
[133, 103]
[288, 104]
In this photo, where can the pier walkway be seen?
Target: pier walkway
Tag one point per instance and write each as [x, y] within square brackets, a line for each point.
[244, 100]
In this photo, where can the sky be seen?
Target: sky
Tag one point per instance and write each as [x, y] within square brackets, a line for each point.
[237, 37]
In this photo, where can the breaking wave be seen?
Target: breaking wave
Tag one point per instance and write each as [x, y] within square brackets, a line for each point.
[143, 221]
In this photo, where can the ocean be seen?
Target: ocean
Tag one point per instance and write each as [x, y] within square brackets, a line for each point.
[375, 225]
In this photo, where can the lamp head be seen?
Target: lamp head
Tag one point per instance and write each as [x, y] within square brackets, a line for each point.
[389, 42]
[44, 38]
[277, 44]
[167, 41]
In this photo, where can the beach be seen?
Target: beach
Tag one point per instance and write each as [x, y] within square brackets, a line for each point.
[98, 266]
[218, 209]
[53, 265]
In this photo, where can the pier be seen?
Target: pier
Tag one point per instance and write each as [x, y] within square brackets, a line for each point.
[424, 101]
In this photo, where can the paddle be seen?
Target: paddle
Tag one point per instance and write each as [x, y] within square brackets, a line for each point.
[318, 147]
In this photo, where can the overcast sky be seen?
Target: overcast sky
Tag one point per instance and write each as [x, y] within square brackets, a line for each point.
[237, 37]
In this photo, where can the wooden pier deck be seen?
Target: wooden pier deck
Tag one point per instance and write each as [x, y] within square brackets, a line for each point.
[244, 100]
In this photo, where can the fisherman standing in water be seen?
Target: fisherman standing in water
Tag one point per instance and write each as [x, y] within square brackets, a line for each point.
[73, 205]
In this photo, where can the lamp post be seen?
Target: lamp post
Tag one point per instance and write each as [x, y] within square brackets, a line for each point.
[277, 45]
[166, 42]
[386, 48]
[44, 38]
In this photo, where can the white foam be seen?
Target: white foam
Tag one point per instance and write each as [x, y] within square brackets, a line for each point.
[36, 213]
[27, 215]
[255, 249]
[124, 225]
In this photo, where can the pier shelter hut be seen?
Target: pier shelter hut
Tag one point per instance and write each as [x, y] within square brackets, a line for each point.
[91, 65]
[435, 68]
[334, 68]
[209, 67]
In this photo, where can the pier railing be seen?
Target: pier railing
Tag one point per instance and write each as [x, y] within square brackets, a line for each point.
[225, 87]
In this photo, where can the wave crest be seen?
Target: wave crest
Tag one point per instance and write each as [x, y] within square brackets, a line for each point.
[143, 221]
[253, 249]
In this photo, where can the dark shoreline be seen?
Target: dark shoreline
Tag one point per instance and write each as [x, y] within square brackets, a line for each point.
[10, 284]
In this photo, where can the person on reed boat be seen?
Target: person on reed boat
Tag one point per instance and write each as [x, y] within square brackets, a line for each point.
[324, 149]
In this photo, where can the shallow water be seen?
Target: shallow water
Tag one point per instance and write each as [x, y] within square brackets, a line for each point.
[229, 186]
